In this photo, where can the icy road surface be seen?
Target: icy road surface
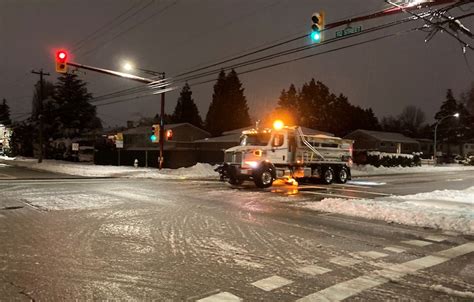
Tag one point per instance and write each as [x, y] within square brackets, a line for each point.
[97, 239]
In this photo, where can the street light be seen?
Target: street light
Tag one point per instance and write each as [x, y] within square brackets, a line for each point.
[456, 115]
[129, 67]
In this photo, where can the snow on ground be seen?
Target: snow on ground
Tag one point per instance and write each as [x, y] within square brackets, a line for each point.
[367, 170]
[82, 169]
[442, 209]
[199, 170]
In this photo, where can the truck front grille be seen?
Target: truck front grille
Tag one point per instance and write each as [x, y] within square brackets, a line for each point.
[233, 157]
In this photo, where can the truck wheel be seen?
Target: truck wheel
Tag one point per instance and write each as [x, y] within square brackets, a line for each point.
[263, 178]
[342, 175]
[328, 175]
[236, 181]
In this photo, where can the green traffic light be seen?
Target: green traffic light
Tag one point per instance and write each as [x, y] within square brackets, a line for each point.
[153, 137]
[316, 36]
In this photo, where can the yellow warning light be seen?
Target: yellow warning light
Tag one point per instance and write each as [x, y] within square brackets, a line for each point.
[278, 125]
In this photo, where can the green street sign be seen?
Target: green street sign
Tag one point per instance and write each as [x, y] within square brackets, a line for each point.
[348, 31]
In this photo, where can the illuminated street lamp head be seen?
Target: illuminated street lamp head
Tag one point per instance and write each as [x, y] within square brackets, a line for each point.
[456, 114]
[128, 66]
[278, 125]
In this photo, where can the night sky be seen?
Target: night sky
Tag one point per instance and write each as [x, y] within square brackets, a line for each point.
[180, 35]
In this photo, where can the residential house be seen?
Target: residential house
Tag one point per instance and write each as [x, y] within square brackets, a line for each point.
[388, 142]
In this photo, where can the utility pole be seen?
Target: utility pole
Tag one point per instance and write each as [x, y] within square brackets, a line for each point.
[40, 112]
[162, 125]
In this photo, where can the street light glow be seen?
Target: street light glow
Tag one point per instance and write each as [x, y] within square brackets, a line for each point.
[456, 114]
[128, 66]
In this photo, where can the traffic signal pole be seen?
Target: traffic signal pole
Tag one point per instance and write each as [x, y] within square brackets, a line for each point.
[40, 113]
[162, 127]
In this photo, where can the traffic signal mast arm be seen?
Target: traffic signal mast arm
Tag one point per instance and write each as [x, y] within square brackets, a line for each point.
[388, 12]
[114, 73]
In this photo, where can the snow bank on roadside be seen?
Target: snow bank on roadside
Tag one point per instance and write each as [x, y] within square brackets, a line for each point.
[199, 170]
[367, 170]
[442, 209]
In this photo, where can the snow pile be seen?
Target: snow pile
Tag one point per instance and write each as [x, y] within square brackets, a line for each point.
[443, 209]
[89, 170]
[367, 170]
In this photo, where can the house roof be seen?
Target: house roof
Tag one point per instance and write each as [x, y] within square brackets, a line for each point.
[386, 136]
[230, 138]
[307, 131]
[146, 129]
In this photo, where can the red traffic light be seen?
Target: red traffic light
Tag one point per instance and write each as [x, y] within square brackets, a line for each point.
[61, 56]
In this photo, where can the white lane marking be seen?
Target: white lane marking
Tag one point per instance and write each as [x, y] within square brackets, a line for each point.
[271, 283]
[395, 249]
[345, 190]
[417, 242]
[450, 233]
[367, 183]
[6, 176]
[221, 297]
[344, 261]
[313, 270]
[372, 254]
[355, 286]
[327, 194]
[436, 238]
[457, 251]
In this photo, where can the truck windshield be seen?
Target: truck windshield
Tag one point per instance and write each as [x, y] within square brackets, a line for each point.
[257, 139]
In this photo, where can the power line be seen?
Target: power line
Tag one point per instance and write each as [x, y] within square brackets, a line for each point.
[317, 54]
[130, 28]
[80, 44]
[139, 89]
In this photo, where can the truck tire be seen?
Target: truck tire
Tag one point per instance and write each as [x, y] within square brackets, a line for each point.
[342, 175]
[328, 175]
[236, 181]
[263, 178]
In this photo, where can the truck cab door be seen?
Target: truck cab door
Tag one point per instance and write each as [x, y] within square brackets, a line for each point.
[279, 149]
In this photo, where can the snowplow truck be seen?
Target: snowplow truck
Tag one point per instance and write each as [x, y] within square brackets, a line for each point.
[265, 155]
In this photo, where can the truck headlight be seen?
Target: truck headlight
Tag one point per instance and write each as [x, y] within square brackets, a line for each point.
[252, 164]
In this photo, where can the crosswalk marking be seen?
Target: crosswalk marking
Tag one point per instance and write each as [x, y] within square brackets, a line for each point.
[395, 249]
[436, 238]
[355, 286]
[314, 270]
[271, 283]
[344, 261]
[372, 254]
[221, 297]
[417, 242]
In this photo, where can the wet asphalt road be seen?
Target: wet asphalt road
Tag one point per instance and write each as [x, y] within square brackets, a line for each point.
[124, 239]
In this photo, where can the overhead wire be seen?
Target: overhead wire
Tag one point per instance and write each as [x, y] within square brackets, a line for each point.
[141, 88]
[158, 12]
[106, 27]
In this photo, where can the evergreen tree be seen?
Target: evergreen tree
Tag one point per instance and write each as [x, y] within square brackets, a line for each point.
[70, 114]
[228, 109]
[186, 110]
[287, 106]
[5, 113]
[448, 129]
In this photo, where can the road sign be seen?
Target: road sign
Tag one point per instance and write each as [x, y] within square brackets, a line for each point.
[75, 146]
[119, 144]
[348, 31]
